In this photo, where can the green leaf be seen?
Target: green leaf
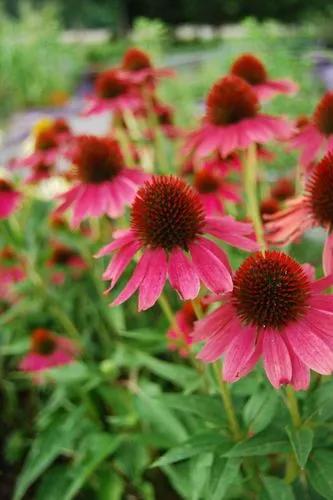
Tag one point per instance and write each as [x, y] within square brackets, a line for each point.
[261, 444]
[228, 476]
[208, 408]
[162, 421]
[197, 444]
[53, 483]
[320, 469]
[277, 489]
[59, 435]
[72, 373]
[301, 441]
[260, 409]
[110, 486]
[178, 374]
[96, 448]
[200, 467]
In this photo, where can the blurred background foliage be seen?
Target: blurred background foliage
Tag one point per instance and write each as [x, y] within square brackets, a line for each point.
[98, 13]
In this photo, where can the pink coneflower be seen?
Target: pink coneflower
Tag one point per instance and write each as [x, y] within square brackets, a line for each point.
[104, 184]
[50, 139]
[214, 190]
[316, 137]
[165, 119]
[269, 206]
[168, 225]
[39, 172]
[179, 337]
[9, 199]
[313, 208]
[138, 68]
[253, 71]
[113, 92]
[283, 189]
[233, 121]
[276, 312]
[65, 258]
[48, 351]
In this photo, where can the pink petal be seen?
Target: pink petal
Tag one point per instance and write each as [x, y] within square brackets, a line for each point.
[135, 280]
[277, 360]
[220, 342]
[238, 354]
[310, 348]
[127, 236]
[154, 280]
[212, 323]
[182, 275]
[217, 251]
[210, 269]
[119, 262]
[300, 379]
[328, 255]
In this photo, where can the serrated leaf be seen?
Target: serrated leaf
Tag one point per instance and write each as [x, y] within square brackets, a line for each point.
[320, 469]
[96, 448]
[228, 476]
[260, 409]
[277, 489]
[261, 444]
[59, 435]
[301, 441]
[197, 444]
[208, 408]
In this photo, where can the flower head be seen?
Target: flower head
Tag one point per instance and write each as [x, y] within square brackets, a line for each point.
[275, 311]
[179, 335]
[138, 68]
[314, 208]
[283, 189]
[113, 92]
[316, 137]
[48, 350]
[168, 225]
[233, 121]
[214, 189]
[9, 199]
[104, 185]
[253, 71]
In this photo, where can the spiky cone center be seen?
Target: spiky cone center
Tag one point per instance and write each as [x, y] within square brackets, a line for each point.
[43, 342]
[97, 159]
[110, 85]
[167, 213]
[231, 100]
[269, 206]
[323, 115]
[271, 290]
[319, 192]
[136, 60]
[250, 68]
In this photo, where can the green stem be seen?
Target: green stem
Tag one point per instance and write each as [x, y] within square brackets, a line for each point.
[228, 404]
[250, 188]
[293, 407]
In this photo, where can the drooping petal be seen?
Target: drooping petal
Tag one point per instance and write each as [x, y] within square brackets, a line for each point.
[119, 262]
[328, 255]
[310, 348]
[135, 280]
[121, 239]
[212, 323]
[220, 342]
[277, 360]
[182, 275]
[239, 352]
[210, 269]
[154, 280]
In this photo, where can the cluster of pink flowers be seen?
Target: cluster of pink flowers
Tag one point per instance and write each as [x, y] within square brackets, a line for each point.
[180, 226]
